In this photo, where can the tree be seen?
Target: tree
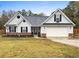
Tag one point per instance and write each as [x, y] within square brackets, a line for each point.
[4, 18]
[29, 13]
[4, 13]
[19, 12]
[11, 13]
[72, 11]
[24, 12]
[41, 14]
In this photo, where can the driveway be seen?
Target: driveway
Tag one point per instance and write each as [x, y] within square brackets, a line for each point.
[72, 42]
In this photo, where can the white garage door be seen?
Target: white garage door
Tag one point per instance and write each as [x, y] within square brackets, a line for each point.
[58, 31]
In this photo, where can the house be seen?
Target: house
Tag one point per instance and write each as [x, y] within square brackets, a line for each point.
[55, 25]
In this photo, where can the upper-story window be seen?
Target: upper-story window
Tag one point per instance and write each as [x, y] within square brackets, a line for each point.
[57, 17]
[24, 21]
[18, 17]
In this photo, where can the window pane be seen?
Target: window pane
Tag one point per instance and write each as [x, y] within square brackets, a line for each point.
[24, 29]
[12, 29]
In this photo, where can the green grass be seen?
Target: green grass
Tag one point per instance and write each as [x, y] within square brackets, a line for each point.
[31, 47]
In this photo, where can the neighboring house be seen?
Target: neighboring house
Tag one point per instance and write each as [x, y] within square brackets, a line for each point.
[56, 25]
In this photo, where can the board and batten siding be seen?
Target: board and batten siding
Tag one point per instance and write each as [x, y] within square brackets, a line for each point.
[22, 24]
[7, 29]
[15, 20]
[63, 20]
[57, 30]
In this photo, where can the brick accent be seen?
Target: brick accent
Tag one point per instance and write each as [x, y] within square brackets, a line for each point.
[43, 35]
[14, 33]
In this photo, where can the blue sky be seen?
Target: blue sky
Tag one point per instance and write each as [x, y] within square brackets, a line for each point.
[35, 6]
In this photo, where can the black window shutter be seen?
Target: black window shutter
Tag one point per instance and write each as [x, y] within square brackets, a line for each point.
[54, 17]
[26, 29]
[21, 29]
[60, 17]
[9, 28]
[15, 29]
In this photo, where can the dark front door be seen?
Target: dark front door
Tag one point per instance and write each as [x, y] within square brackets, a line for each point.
[35, 31]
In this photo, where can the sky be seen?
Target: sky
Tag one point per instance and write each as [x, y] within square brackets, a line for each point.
[46, 7]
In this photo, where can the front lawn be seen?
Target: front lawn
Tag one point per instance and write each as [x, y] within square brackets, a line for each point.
[31, 47]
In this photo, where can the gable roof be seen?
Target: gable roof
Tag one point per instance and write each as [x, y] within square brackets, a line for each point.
[17, 13]
[36, 20]
[62, 14]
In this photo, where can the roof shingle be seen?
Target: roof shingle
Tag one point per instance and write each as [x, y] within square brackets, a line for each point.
[36, 20]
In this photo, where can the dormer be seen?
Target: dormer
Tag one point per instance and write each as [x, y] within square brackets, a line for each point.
[57, 17]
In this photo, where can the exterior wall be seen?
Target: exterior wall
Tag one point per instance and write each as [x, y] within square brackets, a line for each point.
[18, 28]
[16, 20]
[64, 20]
[7, 29]
[23, 24]
[57, 31]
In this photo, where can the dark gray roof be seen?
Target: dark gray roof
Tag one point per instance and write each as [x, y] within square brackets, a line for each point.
[36, 20]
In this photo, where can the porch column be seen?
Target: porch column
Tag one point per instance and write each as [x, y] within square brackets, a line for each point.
[7, 28]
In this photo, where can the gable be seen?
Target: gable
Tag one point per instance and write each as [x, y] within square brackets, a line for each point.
[64, 18]
[15, 20]
[24, 24]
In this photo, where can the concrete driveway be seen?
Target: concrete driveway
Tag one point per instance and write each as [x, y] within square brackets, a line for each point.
[72, 42]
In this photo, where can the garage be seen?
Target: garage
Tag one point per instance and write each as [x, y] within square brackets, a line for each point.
[58, 31]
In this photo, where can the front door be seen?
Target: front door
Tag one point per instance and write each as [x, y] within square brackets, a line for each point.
[35, 31]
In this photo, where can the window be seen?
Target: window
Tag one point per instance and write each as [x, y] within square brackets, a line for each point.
[60, 17]
[44, 27]
[54, 17]
[12, 29]
[18, 17]
[57, 18]
[23, 20]
[24, 29]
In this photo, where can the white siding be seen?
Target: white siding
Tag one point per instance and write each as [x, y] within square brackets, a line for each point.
[18, 28]
[16, 20]
[23, 24]
[57, 31]
[64, 20]
[43, 29]
[7, 29]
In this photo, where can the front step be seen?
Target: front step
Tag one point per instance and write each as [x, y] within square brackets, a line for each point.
[35, 36]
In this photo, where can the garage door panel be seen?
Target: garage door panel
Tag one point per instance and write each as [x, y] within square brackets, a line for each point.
[57, 31]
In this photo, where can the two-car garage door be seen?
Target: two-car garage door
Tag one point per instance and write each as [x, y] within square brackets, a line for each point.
[61, 31]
